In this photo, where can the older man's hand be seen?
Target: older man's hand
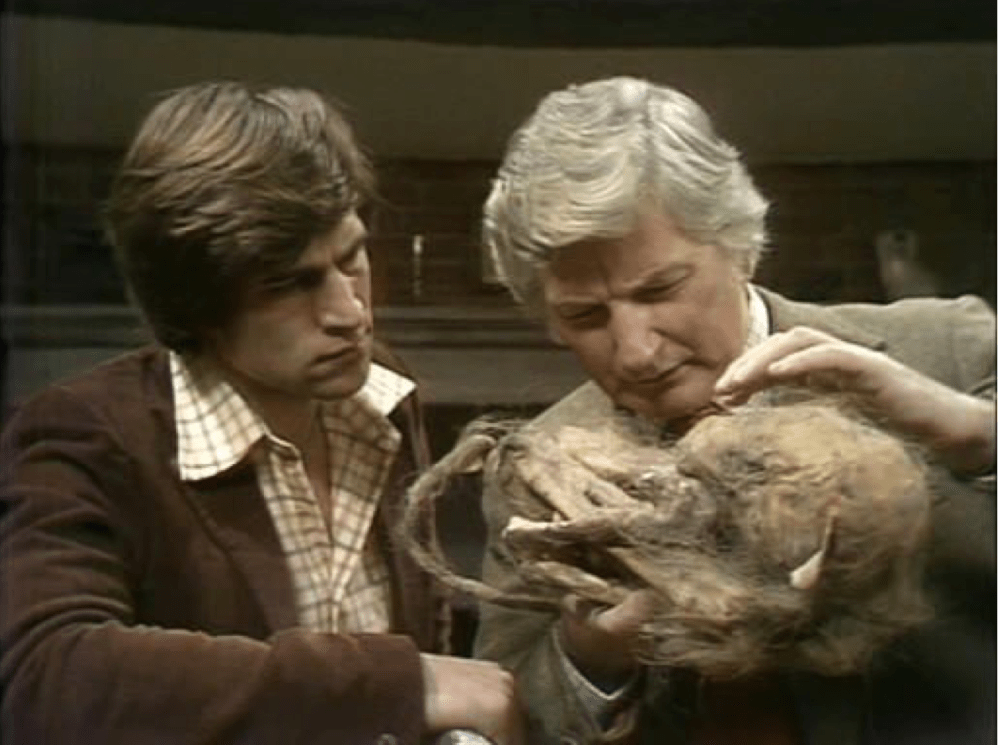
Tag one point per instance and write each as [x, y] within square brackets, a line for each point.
[960, 429]
[604, 642]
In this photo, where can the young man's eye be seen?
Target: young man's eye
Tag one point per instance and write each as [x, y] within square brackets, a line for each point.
[309, 280]
[277, 285]
[287, 283]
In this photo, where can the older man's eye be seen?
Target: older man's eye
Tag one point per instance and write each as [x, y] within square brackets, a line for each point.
[655, 293]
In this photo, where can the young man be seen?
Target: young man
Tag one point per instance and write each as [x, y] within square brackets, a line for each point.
[633, 230]
[195, 537]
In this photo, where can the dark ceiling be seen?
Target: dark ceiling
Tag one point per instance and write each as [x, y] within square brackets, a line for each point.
[565, 23]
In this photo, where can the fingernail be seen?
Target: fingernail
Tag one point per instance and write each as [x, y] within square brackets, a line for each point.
[572, 604]
[725, 383]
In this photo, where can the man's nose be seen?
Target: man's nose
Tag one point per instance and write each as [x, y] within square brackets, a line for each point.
[636, 343]
[340, 304]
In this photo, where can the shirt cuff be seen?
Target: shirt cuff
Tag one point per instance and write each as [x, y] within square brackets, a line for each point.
[602, 705]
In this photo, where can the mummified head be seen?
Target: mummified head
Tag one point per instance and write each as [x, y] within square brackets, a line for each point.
[821, 523]
[784, 536]
[780, 536]
[790, 481]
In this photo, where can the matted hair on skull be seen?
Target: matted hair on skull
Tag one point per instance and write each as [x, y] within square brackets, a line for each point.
[593, 157]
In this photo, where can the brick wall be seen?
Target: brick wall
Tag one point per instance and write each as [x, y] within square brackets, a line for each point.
[823, 226]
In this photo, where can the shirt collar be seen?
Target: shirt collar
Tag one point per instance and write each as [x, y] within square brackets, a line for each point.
[384, 389]
[217, 428]
[759, 321]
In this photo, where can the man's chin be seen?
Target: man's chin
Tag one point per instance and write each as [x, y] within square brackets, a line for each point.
[675, 406]
[343, 385]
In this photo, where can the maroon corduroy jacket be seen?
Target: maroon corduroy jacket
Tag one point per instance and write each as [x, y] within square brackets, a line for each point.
[137, 608]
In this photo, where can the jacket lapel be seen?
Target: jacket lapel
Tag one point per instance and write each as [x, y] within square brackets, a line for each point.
[231, 509]
[235, 514]
[419, 607]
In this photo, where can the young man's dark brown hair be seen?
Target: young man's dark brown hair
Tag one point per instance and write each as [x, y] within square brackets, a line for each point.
[224, 181]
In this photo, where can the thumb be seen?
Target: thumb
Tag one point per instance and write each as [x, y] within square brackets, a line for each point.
[628, 616]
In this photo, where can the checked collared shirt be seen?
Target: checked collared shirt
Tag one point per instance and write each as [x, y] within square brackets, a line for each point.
[339, 574]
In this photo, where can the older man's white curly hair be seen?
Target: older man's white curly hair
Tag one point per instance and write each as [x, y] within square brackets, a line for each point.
[593, 157]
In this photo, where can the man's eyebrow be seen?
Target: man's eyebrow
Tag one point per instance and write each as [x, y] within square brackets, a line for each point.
[287, 274]
[665, 275]
[355, 244]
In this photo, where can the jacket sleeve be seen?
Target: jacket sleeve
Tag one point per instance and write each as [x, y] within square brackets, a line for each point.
[76, 667]
[964, 537]
[974, 348]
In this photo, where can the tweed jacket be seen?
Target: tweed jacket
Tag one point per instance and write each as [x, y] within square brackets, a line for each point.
[138, 608]
[936, 686]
